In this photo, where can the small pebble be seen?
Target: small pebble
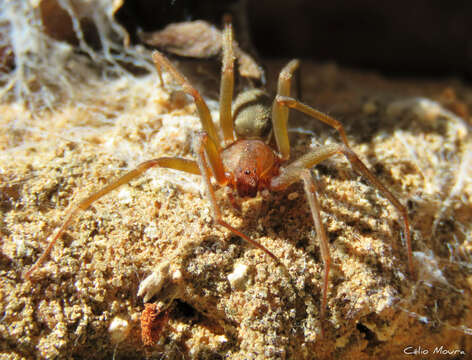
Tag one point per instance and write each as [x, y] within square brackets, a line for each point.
[238, 276]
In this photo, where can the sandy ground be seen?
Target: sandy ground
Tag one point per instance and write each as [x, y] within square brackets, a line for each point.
[83, 303]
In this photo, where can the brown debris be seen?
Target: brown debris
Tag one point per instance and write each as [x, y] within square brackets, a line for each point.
[153, 323]
[57, 22]
[196, 39]
[199, 39]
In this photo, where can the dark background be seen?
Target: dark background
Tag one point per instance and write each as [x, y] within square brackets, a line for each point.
[420, 38]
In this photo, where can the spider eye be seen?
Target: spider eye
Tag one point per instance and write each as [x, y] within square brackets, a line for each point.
[247, 172]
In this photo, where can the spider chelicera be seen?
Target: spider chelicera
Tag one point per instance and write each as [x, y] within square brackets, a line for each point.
[243, 160]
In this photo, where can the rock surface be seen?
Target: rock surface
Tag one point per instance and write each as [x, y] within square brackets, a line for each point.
[231, 299]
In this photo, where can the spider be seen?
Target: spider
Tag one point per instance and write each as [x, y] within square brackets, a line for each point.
[243, 160]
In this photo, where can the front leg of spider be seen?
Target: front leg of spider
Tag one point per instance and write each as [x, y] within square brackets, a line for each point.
[185, 165]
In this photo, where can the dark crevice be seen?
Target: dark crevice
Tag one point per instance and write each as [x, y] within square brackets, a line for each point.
[369, 335]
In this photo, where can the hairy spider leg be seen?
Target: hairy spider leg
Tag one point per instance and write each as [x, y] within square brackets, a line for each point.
[186, 165]
[290, 102]
[357, 164]
[280, 112]
[214, 147]
[202, 108]
[227, 83]
[297, 170]
[311, 194]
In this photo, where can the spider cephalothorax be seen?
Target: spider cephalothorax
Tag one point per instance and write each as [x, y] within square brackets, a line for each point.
[250, 165]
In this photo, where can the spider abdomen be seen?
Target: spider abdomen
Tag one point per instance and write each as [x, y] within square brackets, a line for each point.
[252, 114]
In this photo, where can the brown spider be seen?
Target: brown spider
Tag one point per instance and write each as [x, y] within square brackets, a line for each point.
[243, 160]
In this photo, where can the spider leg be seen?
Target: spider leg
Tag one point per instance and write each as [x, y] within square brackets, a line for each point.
[203, 111]
[201, 147]
[319, 155]
[186, 165]
[310, 191]
[280, 112]
[214, 146]
[287, 101]
[227, 83]
[296, 171]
